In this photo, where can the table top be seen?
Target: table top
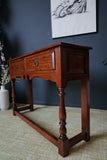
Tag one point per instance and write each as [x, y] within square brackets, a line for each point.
[62, 44]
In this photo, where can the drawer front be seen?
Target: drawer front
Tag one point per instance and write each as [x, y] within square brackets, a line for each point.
[45, 61]
[76, 64]
[17, 67]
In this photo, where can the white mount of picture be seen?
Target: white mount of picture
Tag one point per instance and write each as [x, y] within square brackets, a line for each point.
[73, 17]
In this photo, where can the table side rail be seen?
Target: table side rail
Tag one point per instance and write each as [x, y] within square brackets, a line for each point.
[41, 130]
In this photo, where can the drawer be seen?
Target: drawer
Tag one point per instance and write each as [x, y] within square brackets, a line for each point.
[45, 61]
[76, 64]
[17, 66]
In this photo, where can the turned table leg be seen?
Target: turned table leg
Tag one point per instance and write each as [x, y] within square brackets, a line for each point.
[63, 142]
[13, 96]
[30, 94]
[85, 108]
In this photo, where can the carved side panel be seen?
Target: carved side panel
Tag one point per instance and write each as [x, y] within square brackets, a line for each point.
[76, 63]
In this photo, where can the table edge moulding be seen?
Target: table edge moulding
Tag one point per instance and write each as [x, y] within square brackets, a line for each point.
[60, 63]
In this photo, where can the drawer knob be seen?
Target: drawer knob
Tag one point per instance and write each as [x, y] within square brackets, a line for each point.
[36, 63]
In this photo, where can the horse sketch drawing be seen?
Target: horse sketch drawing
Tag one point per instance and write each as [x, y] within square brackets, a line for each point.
[69, 7]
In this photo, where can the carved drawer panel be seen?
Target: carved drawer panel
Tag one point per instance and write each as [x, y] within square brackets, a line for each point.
[76, 64]
[45, 61]
[17, 66]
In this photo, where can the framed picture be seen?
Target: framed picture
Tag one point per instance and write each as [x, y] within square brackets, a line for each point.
[73, 17]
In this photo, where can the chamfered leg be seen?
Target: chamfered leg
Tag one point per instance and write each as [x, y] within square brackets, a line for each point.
[30, 94]
[13, 96]
[85, 108]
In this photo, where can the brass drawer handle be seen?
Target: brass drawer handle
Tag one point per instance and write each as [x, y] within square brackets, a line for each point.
[36, 63]
[15, 66]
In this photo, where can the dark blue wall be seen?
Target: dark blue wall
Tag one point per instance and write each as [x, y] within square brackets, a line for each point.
[29, 29]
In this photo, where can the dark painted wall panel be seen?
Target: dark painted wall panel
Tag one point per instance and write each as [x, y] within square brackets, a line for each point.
[29, 29]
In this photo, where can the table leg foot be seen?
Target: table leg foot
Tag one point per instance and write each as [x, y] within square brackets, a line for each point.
[14, 111]
[31, 108]
[63, 147]
[87, 137]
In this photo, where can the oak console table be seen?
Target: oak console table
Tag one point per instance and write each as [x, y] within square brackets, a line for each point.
[60, 63]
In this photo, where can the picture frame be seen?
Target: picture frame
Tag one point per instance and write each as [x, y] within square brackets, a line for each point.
[73, 17]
